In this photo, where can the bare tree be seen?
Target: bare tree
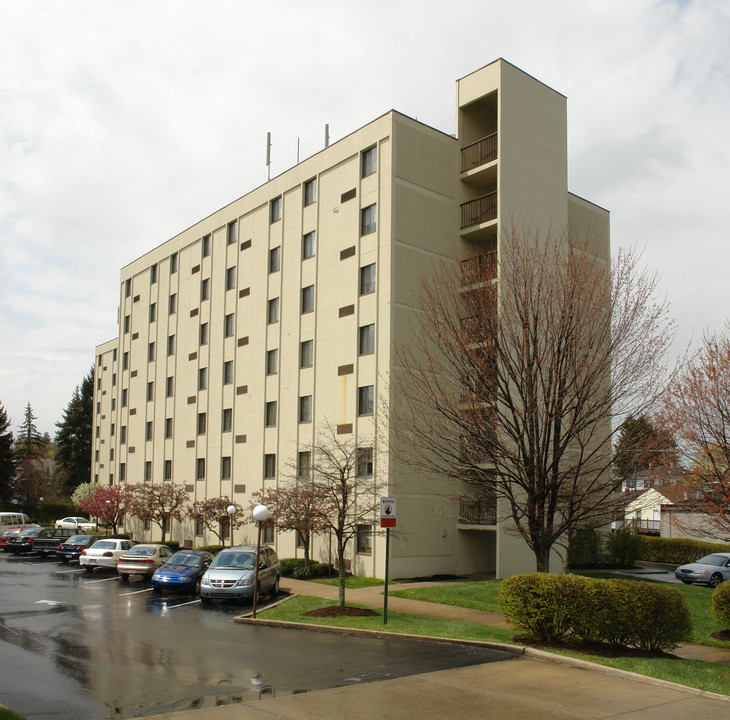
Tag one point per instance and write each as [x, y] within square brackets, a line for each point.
[518, 369]
[698, 409]
[213, 513]
[159, 504]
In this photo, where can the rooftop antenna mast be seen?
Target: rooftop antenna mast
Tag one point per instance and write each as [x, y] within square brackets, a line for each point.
[268, 155]
[327, 135]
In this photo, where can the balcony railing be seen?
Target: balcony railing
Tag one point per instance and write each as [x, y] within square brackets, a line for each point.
[646, 527]
[479, 269]
[482, 209]
[481, 511]
[479, 153]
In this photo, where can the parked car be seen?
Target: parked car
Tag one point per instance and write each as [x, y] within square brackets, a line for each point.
[71, 549]
[15, 521]
[142, 560]
[47, 542]
[24, 541]
[709, 570]
[104, 553]
[12, 532]
[182, 572]
[231, 574]
[76, 523]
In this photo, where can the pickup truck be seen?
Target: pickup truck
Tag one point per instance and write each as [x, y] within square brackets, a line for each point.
[43, 541]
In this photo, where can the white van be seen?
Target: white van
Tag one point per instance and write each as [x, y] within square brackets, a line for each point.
[13, 520]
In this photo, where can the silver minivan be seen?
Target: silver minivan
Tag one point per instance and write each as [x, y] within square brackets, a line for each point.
[231, 574]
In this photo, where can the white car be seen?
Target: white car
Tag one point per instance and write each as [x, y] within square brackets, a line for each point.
[104, 553]
[76, 523]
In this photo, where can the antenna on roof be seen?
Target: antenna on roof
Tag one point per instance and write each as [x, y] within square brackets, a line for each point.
[268, 155]
[327, 135]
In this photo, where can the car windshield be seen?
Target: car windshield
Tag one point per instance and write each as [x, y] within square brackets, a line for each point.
[77, 540]
[185, 559]
[237, 560]
[105, 545]
[31, 533]
[718, 560]
[142, 551]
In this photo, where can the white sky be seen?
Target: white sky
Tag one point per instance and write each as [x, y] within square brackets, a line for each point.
[122, 122]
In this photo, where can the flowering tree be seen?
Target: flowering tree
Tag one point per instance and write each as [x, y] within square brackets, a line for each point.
[160, 504]
[107, 503]
[213, 513]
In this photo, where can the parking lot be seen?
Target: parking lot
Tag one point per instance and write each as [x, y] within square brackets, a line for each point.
[89, 646]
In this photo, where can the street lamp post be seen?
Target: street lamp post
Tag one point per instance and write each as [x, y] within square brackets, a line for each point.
[260, 515]
[231, 510]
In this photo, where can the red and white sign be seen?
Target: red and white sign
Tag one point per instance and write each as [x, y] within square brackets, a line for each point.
[387, 512]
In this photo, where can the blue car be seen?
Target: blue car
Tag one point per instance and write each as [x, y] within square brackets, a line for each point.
[182, 572]
[71, 549]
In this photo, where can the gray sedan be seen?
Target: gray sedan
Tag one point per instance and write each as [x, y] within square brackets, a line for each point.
[709, 570]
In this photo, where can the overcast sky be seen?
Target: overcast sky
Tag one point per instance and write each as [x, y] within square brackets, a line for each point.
[124, 122]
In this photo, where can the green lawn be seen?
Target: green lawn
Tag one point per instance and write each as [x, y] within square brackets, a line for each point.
[483, 596]
[6, 714]
[351, 582]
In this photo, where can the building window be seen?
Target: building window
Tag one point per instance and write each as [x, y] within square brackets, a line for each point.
[168, 428]
[272, 362]
[227, 421]
[170, 345]
[228, 372]
[153, 274]
[364, 544]
[205, 289]
[127, 323]
[231, 278]
[368, 219]
[122, 472]
[367, 279]
[304, 464]
[270, 414]
[201, 423]
[307, 299]
[148, 471]
[206, 243]
[270, 465]
[272, 315]
[204, 334]
[173, 303]
[309, 245]
[200, 528]
[173, 263]
[306, 353]
[232, 232]
[148, 431]
[127, 288]
[114, 356]
[114, 379]
[114, 404]
[305, 409]
[203, 379]
[151, 352]
[365, 400]
[111, 431]
[200, 469]
[369, 161]
[168, 470]
[310, 192]
[125, 361]
[225, 468]
[364, 459]
[275, 210]
[150, 391]
[153, 312]
[367, 339]
[123, 434]
[170, 387]
[275, 259]
[267, 534]
[229, 325]
[124, 397]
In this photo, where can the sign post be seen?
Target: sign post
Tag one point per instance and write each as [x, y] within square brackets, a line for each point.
[387, 521]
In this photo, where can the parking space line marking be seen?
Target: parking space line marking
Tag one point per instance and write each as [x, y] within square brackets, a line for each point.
[90, 582]
[135, 592]
[192, 602]
[66, 572]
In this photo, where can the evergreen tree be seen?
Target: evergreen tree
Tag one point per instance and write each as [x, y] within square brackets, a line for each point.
[73, 437]
[7, 457]
[642, 445]
[29, 444]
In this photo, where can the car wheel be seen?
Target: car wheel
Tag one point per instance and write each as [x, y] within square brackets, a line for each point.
[715, 580]
[204, 600]
[156, 590]
[275, 589]
[88, 569]
[197, 588]
[686, 582]
[124, 577]
[64, 560]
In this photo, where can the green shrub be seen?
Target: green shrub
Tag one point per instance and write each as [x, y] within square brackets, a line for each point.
[721, 605]
[625, 547]
[296, 567]
[214, 549]
[677, 551]
[619, 612]
[586, 548]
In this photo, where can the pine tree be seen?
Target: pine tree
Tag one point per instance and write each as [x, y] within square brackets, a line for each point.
[30, 443]
[7, 457]
[73, 437]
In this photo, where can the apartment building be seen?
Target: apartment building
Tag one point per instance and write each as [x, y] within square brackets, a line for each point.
[245, 335]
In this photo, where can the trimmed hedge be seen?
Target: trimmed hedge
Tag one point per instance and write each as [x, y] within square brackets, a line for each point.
[721, 605]
[213, 549]
[557, 608]
[296, 567]
[677, 551]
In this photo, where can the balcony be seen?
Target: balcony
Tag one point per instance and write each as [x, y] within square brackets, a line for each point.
[479, 153]
[477, 511]
[480, 210]
[479, 269]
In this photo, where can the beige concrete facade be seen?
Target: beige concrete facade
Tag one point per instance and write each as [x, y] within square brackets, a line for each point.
[271, 299]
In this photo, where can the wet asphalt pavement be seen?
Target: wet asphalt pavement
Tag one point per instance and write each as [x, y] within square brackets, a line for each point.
[84, 646]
